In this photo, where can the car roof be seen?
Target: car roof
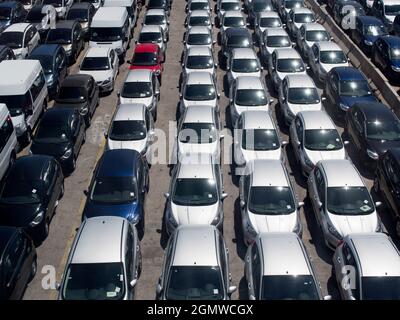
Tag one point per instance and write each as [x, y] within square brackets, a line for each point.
[286, 53]
[257, 119]
[267, 172]
[29, 167]
[199, 13]
[300, 81]
[17, 27]
[316, 120]
[118, 163]
[200, 114]
[146, 47]
[81, 5]
[155, 12]
[328, 46]
[192, 1]
[313, 26]
[199, 29]
[235, 1]
[348, 176]
[92, 248]
[283, 254]
[76, 80]
[139, 75]
[199, 77]
[6, 234]
[150, 28]
[195, 245]
[244, 53]
[194, 170]
[199, 51]
[375, 110]
[65, 24]
[233, 13]
[275, 32]
[20, 75]
[97, 52]
[57, 115]
[236, 31]
[130, 111]
[348, 73]
[369, 20]
[248, 82]
[45, 50]
[392, 41]
[377, 254]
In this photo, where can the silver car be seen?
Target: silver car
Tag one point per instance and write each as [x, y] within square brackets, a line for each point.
[104, 262]
[247, 94]
[196, 194]
[314, 137]
[310, 33]
[198, 59]
[227, 5]
[284, 7]
[157, 17]
[153, 34]
[367, 267]
[265, 20]
[273, 38]
[196, 266]
[278, 267]
[197, 5]
[198, 37]
[341, 202]
[243, 62]
[298, 92]
[297, 17]
[198, 18]
[232, 19]
[267, 200]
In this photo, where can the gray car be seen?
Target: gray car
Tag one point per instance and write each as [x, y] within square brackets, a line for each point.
[297, 17]
[310, 33]
[367, 267]
[196, 266]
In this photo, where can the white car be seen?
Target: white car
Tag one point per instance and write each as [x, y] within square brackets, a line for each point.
[227, 5]
[273, 38]
[232, 19]
[153, 34]
[198, 37]
[157, 17]
[243, 62]
[310, 33]
[199, 132]
[297, 17]
[199, 88]
[265, 20]
[197, 5]
[198, 18]
[314, 137]
[256, 137]
[22, 38]
[324, 56]
[141, 87]
[247, 94]
[198, 59]
[298, 92]
[102, 63]
[132, 127]
[267, 200]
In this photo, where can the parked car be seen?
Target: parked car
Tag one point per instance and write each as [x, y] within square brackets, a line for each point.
[223, 6]
[83, 12]
[119, 186]
[256, 7]
[297, 17]
[157, 17]
[189, 274]
[148, 56]
[367, 30]
[102, 268]
[235, 38]
[22, 38]
[37, 15]
[6, 53]
[264, 21]
[271, 39]
[61, 134]
[243, 62]
[153, 34]
[231, 19]
[11, 12]
[386, 56]
[310, 33]
[386, 10]
[375, 262]
[197, 5]
[199, 18]
[198, 37]
[79, 91]
[30, 193]
[159, 4]
[198, 59]
[18, 264]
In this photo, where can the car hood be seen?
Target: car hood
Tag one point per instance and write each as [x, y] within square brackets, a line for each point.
[240, 109]
[380, 146]
[120, 210]
[370, 38]
[51, 149]
[354, 224]
[194, 214]
[98, 75]
[296, 108]
[349, 101]
[317, 155]
[18, 215]
[273, 223]
[138, 145]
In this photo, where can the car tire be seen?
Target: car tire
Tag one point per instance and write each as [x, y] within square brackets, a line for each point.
[376, 186]
[33, 269]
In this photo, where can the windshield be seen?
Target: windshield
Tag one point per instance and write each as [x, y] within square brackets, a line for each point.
[105, 34]
[332, 57]
[59, 36]
[239, 41]
[304, 18]
[260, 139]
[19, 191]
[195, 192]
[278, 41]
[199, 62]
[322, 139]
[317, 35]
[200, 92]
[195, 283]
[199, 39]
[113, 190]
[375, 30]
[154, 20]
[199, 6]
[303, 96]
[354, 88]
[136, 90]
[72, 93]
[380, 288]
[288, 287]
[230, 6]
[394, 53]
[261, 6]
[197, 132]
[271, 200]
[199, 21]
[5, 13]
[383, 130]
[290, 4]
[52, 132]
[11, 39]
[290, 65]
[145, 59]
[392, 10]
[150, 37]
[245, 65]
[95, 63]
[34, 16]
[128, 130]
[54, 3]
[16, 104]
[251, 97]
[270, 23]
[94, 281]
[349, 201]
[234, 22]
[78, 14]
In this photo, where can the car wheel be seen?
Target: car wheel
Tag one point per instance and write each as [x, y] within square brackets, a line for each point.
[62, 191]
[33, 269]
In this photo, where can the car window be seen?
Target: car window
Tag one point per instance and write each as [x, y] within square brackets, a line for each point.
[6, 131]
[37, 86]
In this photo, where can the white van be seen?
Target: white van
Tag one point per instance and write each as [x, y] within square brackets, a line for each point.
[110, 27]
[23, 89]
[130, 6]
[8, 140]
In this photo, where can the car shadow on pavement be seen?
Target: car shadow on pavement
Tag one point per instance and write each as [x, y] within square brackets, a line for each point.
[163, 231]
[243, 292]
[241, 248]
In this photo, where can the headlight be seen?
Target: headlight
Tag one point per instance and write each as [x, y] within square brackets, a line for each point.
[37, 219]
[343, 106]
[396, 69]
[67, 154]
[368, 43]
[84, 111]
[332, 230]
[372, 154]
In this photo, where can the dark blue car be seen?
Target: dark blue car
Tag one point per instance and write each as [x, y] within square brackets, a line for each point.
[367, 30]
[386, 56]
[345, 87]
[54, 62]
[11, 12]
[119, 186]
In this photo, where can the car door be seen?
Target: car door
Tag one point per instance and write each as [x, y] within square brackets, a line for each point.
[61, 65]
[76, 133]
[255, 276]
[378, 53]
[355, 127]
[114, 63]
[49, 185]
[359, 132]
[130, 268]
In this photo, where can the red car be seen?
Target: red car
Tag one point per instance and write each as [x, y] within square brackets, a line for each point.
[148, 56]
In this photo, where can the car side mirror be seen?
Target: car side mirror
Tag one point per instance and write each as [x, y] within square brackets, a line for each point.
[231, 100]
[331, 38]
[184, 41]
[307, 68]
[86, 192]
[323, 98]
[319, 204]
[378, 204]
[106, 135]
[215, 65]
[328, 297]
[58, 286]
[214, 42]
[133, 283]
[159, 289]
[300, 204]
[232, 289]
[271, 101]
[284, 143]
[252, 297]
[224, 195]
[316, 59]
[129, 61]
[183, 65]
[218, 95]
[29, 112]
[261, 68]
[346, 142]
[166, 195]
[157, 92]
[242, 204]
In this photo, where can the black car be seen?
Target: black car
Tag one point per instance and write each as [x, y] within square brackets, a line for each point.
[373, 128]
[11, 12]
[344, 13]
[6, 53]
[60, 134]
[18, 262]
[83, 12]
[67, 33]
[387, 182]
[386, 56]
[81, 92]
[35, 16]
[235, 38]
[367, 30]
[159, 4]
[54, 62]
[30, 193]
